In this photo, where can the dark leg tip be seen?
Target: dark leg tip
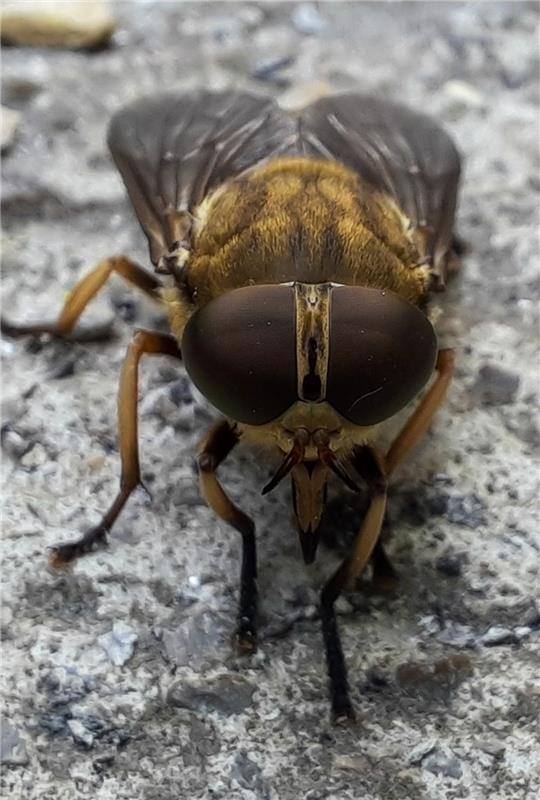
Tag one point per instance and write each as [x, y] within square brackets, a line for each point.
[245, 642]
[385, 577]
[93, 333]
[385, 583]
[147, 492]
[343, 714]
[64, 554]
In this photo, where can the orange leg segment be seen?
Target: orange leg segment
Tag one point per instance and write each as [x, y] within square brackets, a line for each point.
[376, 471]
[143, 343]
[81, 295]
[420, 420]
[215, 448]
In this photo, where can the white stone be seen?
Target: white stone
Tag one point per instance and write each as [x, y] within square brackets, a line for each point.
[307, 19]
[119, 644]
[303, 94]
[49, 23]
[80, 733]
[465, 93]
[9, 121]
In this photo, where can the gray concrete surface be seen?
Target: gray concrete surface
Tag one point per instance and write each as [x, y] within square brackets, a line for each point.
[118, 678]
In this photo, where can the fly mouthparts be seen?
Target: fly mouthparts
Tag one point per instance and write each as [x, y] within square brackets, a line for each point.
[293, 457]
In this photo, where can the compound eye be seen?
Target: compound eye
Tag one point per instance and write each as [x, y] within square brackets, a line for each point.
[382, 352]
[239, 351]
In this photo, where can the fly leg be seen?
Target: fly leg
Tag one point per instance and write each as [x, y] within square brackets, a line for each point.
[384, 574]
[420, 420]
[79, 298]
[385, 577]
[143, 343]
[215, 448]
[368, 465]
[458, 249]
[376, 471]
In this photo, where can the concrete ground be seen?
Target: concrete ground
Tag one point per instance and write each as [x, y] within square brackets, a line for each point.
[119, 681]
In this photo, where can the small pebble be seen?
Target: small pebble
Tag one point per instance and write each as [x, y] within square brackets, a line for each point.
[64, 367]
[356, 763]
[376, 679]
[303, 94]
[269, 71]
[36, 457]
[54, 723]
[13, 443]
[496, 635]
[492, 748]
[12, 747]
[227, 694]
[433, 680]
[57, 23]
[457, 635]
[9, 121]
[418, 753]
[307, 19]
[197, 641]
[468, 510]
[80, 734]
[7, 349]
[442, 762]
[125, 306]
[532, 617]
[343, 606]
[119, 644]
[449, 564]
[430, 624]
[495, 386]
[249, 775]
[464, 93]
[64, 685]
[17, 91]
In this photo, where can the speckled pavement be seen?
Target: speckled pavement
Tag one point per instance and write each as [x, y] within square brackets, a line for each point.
[118, 677]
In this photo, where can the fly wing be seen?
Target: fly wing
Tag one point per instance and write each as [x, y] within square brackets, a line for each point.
[401, 153]
[173, 149]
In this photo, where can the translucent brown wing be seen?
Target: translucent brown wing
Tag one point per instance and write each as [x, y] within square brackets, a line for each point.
[399, 152]
[173, 149]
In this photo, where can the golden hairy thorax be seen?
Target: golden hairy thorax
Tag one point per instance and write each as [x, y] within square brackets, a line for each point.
[303, 220]
[298, 220]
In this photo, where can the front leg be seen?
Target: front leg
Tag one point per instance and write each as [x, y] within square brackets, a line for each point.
[421, 418]
[143, 343]
[215, 448]
[368, 465]
[376, 471]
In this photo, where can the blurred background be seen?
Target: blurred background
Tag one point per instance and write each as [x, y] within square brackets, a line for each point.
[119, 678]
